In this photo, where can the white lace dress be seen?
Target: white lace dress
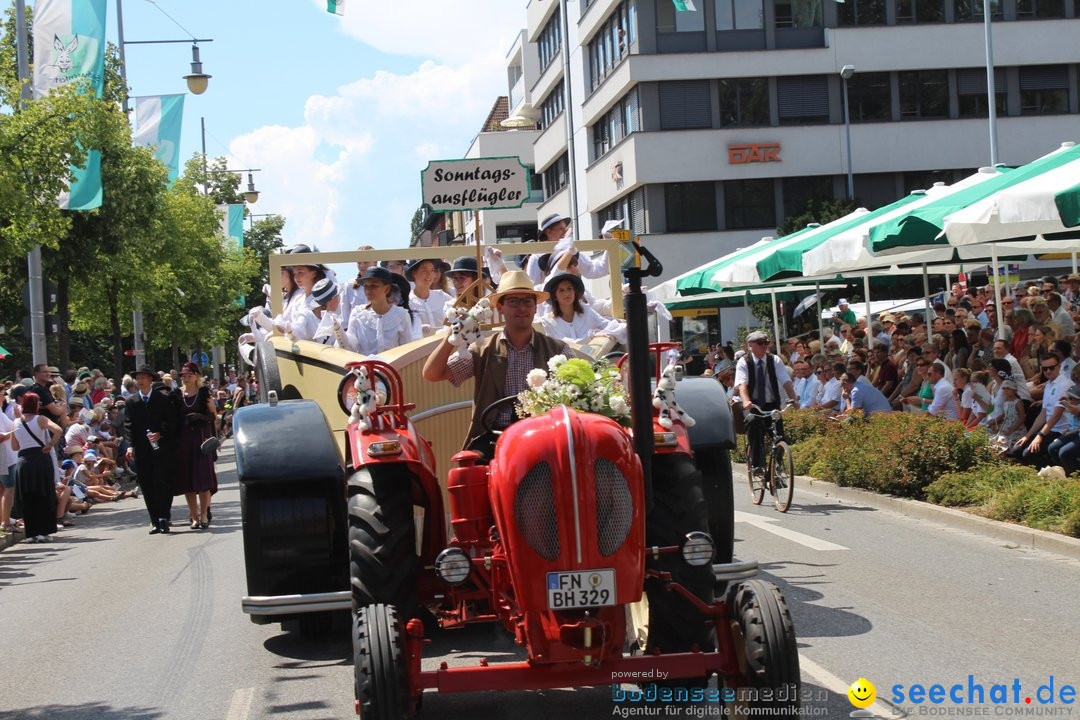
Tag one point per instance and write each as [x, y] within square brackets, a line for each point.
[585, 325]
[370, 333]
[430, 313]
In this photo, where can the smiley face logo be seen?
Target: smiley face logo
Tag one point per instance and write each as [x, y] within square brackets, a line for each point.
[862, 693]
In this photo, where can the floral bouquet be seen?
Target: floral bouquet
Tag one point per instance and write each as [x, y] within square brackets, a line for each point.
[577, 384]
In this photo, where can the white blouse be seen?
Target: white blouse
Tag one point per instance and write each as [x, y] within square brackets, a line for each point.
[430, 312]
[585, 325]
[370, 333]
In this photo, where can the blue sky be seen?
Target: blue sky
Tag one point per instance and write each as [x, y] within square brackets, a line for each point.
[341, 113]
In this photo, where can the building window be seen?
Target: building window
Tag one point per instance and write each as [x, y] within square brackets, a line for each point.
[669, 20]
[536, 186]
[749, 204]
[556, 176]
[744, 101]
[1044, 89]
[618, 122]
[801, 192]
[926, 179]
[1040, 9]
[739, 15]
[971, 92]
[552, 106]
[630, 209]
[869, 97]
[862, 12]
[690, 206]
[920, 11]
[685, 105]
[972, 10]
[924, 94]
[612, 41]
[798, 13]
[550, 40]
[803, 100]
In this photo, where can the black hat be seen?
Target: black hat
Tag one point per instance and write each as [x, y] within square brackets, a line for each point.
[403, 288]
[378, 273]
[300, 250]
[465, 263]
[323, 292]
[437, 262]
[145, 369]
[550, 285]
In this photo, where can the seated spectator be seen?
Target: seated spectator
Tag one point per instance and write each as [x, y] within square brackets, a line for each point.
[1065, 450]
[831, 393]
[1051, 422]
[861, 394]
[885, 376]
[943, 404]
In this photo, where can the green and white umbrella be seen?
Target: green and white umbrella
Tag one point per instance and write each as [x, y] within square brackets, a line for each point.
[1047, 203]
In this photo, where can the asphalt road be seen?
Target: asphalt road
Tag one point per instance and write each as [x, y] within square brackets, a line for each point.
[108, 623]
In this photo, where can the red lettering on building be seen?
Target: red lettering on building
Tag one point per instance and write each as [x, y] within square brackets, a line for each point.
[755, 153]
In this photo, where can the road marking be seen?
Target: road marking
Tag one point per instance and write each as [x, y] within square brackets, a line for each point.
[829, 681]
[240, 705]
[767, 525]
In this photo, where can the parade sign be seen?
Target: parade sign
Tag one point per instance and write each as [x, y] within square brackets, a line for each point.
[493, 183]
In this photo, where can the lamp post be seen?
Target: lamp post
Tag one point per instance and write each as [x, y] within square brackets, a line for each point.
[845, 73]
[197, 82]
[251, 195]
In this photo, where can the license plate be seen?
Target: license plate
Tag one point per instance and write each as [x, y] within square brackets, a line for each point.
[581, 589]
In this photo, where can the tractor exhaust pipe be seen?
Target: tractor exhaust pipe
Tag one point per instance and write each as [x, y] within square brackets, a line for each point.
[637, 325]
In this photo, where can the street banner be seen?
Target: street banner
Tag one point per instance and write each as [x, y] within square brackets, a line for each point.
[336, 7]
[69, 45]
[491, 183]
[232, 222]
[158, 119]
[684, 5]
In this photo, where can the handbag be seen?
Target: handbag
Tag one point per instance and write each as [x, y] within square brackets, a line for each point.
[209, 446]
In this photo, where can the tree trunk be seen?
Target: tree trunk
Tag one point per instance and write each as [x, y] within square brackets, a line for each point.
[175, 352]
[63, 311]
[117, 337]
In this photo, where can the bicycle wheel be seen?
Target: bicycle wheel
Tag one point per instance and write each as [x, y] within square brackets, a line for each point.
[783, 476]
[757, 484]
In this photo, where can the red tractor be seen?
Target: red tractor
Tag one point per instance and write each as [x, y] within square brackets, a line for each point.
[591, 544]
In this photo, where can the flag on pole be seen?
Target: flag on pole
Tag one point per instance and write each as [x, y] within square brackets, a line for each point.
[232, 222]
[158, 119]
[336, 7]
[684, 5]
[69, 45]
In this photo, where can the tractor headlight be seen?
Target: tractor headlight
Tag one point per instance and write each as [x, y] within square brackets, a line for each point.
[452, 565]
[382, 449]
[665, 439]
[697, 548]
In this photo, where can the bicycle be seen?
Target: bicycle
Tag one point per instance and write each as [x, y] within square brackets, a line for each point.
[779, 472]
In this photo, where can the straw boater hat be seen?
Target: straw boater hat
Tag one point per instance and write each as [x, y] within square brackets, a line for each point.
[516, 282]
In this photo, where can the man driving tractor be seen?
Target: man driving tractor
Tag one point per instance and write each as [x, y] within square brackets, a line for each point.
[501, 362]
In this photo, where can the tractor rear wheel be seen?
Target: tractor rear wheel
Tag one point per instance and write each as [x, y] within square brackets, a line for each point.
[383, 566]
[678, 508]
[768, 639]
[380, 675]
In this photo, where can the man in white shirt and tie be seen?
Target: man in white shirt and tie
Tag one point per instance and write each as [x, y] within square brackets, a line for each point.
[760, 377]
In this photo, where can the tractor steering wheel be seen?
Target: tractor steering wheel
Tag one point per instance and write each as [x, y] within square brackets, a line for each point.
[488, 415]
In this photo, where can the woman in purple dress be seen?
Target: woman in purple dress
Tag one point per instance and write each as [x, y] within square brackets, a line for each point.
[196, 479]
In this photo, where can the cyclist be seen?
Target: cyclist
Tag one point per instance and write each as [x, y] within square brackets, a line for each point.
[760, 375]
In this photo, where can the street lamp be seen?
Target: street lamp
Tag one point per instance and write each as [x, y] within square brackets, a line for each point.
[197, 80]
[251, 195]
[845, 73]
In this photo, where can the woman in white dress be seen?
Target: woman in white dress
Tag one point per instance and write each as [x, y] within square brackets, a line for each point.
[379, 325]
[428, 301]
[569, 319]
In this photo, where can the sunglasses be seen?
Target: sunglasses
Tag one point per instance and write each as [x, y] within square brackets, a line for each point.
[819, 372]
[519, 302]
[1049, 367]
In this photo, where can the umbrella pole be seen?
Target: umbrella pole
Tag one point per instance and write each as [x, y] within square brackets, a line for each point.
[820, 322]
[775, 321]
[997, 286]
[866, 294]
[1074, 263]
[746, 310]
[948, 289]
[926, 299]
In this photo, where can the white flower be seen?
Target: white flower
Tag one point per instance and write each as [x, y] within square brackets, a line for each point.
[556, 362]
[618, 405]
[573, 391]
[536, 378]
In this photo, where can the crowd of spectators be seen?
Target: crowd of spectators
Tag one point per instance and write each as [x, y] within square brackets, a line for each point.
[1020, 382]
[90, 457]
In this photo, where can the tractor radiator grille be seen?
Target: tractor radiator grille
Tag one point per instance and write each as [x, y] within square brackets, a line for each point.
[614, 507]
[534, 511]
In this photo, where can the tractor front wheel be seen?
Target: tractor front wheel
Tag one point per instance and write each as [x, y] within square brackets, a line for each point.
[380, 674]
[383, 567]
[769, 647]
[679, 507]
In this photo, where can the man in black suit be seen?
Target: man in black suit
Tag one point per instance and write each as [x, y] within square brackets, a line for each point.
[151, 419]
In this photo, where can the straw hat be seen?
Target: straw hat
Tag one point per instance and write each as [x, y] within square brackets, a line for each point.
[516, 282]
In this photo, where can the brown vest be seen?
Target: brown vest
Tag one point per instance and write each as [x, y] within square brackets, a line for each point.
[489, 371]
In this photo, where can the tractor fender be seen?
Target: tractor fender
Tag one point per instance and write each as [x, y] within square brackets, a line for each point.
[704, 399]
[289, 440]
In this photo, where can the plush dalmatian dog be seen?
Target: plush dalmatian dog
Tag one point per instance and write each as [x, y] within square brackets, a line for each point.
[664, 401]
[465, 324]
[366, 400]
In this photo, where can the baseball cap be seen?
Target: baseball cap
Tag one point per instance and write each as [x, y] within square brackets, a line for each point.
[89, 455]
[67, 464]
[843, 301]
